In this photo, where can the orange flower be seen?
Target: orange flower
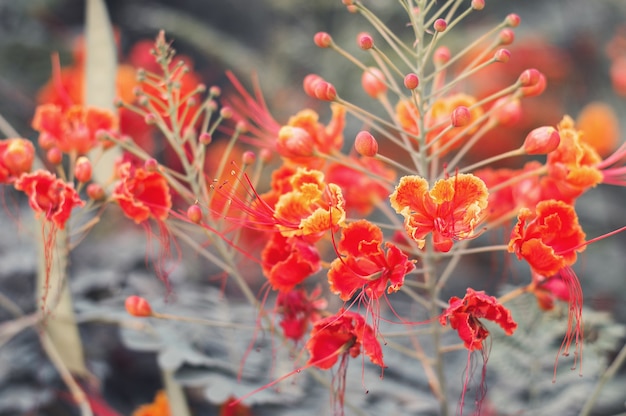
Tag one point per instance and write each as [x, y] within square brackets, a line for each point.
[16, 157]
[73, 130]
[451, 210]
[549, 238]
[159, 407]
[49, 195]
[311, 208]
[463, 315]
[142, 194]
[572, 167]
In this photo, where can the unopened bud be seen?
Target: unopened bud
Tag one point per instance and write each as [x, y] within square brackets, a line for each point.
[441, 56]
[82, 170]
[215, 91]
[411, 81]
[322, 40]
[478, 4]
[248, 157]
[19, 156]
[325, 91]
[460, 116]
[365, 41]
[513, 20]
[205, 138]
[194, 214]
[309, 83]
[95, 192]
[54, 156]
[138, 306]
[502, 55]
[506, 36]
[533, 82]
[373, 82]
[151, 165]
[440, 25]
[542, 140]
[365, 144]
[226, 112]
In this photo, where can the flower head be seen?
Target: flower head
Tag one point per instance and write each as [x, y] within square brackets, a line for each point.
[288, 261]
[366, 265]
[464, 314]
[549, 238]
[450, 210]
[74, 129]
[341, 334]
[49, 196]
[298, 309]
[160, 406]
[142, 194]
[16, 157]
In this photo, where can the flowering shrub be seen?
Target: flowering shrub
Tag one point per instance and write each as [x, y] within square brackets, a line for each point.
[340, 229]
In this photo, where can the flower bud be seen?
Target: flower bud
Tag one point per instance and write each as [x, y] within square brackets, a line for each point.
[205, 138]
[325, 91]
[533, 82]
[151, 165]
[411, 81]
[542, 140]
[194, 214]
[502, 55]
[506, 36]
[441, 56]
[138, 306]
[150, 119]
[18, 156]
[373, 82]
[440, 25]
[226, 112]
[95, 192]
[266, 155]
[322, 40]
[82, 170]
[365, 41]
[248, 157]
[309, 83]
[215, 91]
[513, 20]
[365, 144]
[478, 4]
[54, 155]
[294, 142]
[460, 116]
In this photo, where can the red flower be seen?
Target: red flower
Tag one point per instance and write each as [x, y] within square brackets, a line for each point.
[49, 195]
[341, 334]
[142, 194]
[450, 210]
[549, 239]
[16, 157]
[72, 130]
[464, 314]
[366, 265]
[297, 309]
[288, 261]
